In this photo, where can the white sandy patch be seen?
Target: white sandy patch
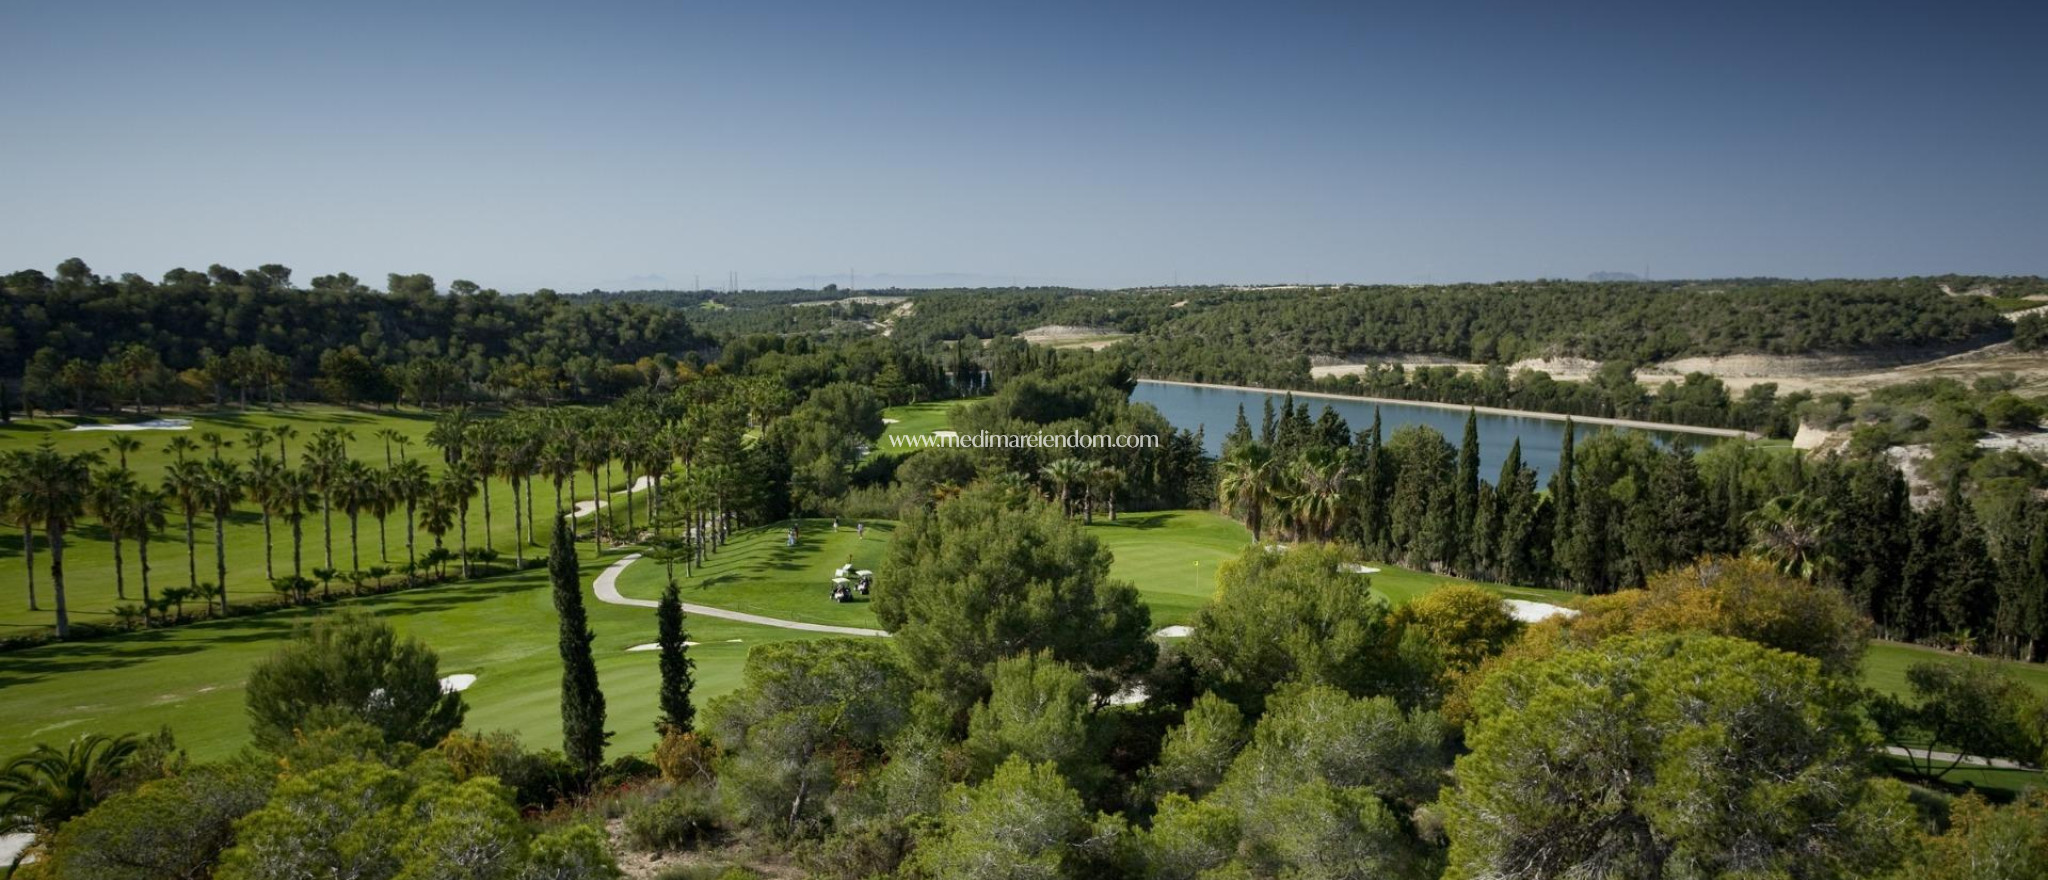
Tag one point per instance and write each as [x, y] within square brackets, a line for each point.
[945, 433]
[889, 421]
[1563, 369]
[1129, 696]
[1531, 612]
[151, 425]
[456, 684]
[650, 646]
[1357, 568]
[1175, 632]
[11, 845]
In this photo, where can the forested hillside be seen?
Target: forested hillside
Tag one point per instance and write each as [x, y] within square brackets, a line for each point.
[1208, 329]
[85, 340]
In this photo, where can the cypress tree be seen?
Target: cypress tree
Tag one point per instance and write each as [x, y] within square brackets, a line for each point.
[1240, 433]
[1562, 500]
[677, 678]
[1465, 495]
[583, 733]
[1268, 424]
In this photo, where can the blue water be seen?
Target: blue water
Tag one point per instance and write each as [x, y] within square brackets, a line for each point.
[1215, 411]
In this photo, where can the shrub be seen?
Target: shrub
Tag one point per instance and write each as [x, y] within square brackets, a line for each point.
[685, 757]
[683, 819]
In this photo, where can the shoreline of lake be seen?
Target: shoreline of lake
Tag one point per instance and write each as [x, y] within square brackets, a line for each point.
[1635, 424]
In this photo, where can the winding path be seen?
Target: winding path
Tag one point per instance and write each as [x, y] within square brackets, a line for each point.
[607, 588]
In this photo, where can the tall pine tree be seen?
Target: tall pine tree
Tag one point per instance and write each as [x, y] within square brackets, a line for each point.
[677, 669]
[583, 733]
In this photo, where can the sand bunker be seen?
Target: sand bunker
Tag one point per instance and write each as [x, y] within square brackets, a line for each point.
[1175, 632]
[456, 684]
[151, 425]
[1531, 612]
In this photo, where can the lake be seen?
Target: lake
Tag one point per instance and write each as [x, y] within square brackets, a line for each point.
[1215, 410]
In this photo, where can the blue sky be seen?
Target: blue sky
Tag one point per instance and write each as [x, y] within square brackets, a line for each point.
[1109, 144]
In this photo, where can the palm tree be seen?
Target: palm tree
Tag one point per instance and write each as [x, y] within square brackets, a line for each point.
[390, 436]
[122, 445]
[295, 497]
[1319, 491]
[142, 513]
[437, 516]
[222, 489]
[185, 483]
[179, 446]
[282, 433]
[264, 478]
[558, 462]
[50, 488]
[516, 465]
[215, 442]
[457, 485]
[1104, 481]
[1065, 474]
[256, 440]
[48, 787]
[409, 483]
[1794, 533]
[594, 452]
[10, 506]
[486, 448]
[1247, 483]
[108, 500]
[324, 459]
[380, 503]
[355, 488]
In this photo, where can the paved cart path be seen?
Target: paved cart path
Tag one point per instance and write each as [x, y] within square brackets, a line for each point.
[607, 588]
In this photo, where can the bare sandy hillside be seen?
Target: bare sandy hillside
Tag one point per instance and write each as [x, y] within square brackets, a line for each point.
[1857, 374]
[1072, 336]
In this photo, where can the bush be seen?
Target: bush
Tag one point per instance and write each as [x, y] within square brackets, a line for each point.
[537, 779]
[685, 757]
[685, 818]
[625, 769]
[352, 667]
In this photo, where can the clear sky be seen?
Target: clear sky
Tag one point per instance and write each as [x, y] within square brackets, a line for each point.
[1106, 143]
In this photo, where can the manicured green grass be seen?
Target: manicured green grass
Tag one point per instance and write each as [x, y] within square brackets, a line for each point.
[501, 629]
[1885, 665]
[89, 553]
[1171, 557]
[915, 419]
[758, 574]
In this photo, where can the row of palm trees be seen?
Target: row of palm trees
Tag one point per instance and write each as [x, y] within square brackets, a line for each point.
[1079, 483]
[1310, 492]
[49, 491]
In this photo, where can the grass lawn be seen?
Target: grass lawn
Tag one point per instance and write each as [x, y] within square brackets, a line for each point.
[1885, 664]
[501, 629]
[758, 574]
[915, 419]
[88, 553]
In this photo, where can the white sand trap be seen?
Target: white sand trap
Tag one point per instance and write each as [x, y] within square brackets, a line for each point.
[1356, 568]
[11, 845]
[1175, 632]
[889, 421]
[650, 646]
[456, 684]
[151, 425]
[1531, 612]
